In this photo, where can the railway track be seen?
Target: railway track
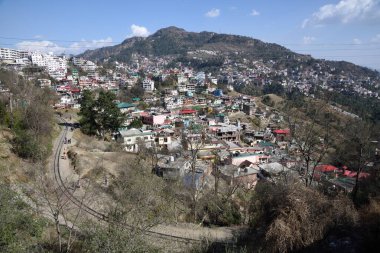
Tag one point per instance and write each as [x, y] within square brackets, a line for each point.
[95, 213]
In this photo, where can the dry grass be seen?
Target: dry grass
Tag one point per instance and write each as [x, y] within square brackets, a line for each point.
[93, 144]
[239, 116]
[276, 99]
[12, 168]
[298, 216]
[97, 159]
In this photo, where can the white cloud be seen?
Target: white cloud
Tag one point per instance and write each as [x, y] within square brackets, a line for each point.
[308, 40]
[41, 46]
[345, 11]
[46, 46]
[213, 13]
[357, 41]
[376, 39]
[83, 45]
[255, 13]
[139, 31]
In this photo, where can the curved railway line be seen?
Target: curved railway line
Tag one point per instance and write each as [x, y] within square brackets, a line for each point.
[95, 213]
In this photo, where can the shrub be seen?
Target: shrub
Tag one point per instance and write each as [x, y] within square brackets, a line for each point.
[297, 216]
[27, 146]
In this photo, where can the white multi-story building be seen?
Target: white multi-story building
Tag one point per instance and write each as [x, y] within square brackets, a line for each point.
[148, 85]
[38, 59]
[182, 79]
[10, 54]
[78, 61]
[89, 66]
[190, 87]
[56, 66]
[182, 87]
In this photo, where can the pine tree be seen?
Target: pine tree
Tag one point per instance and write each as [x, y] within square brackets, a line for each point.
[88, 114]
[108, 116]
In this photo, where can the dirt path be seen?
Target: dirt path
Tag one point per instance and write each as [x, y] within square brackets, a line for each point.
[183, 230]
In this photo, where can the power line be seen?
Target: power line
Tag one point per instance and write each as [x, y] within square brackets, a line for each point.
[118, 42]
[302, 51]
[51, 46]
[56, 40]
[40, 47]
[297, 50]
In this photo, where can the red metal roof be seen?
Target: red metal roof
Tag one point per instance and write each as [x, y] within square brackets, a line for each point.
[351, 174]
[187, 111]
[281, 131]
[326, 168]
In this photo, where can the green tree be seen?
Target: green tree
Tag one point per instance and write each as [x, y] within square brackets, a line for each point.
[19, 229]
[88, 114]
[100, 116]
[136, 123]
[274, 88]
[136, 91]
[26, 145]
[108, 116]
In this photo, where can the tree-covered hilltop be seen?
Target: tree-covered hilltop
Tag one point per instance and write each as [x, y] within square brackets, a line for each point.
[177, 42]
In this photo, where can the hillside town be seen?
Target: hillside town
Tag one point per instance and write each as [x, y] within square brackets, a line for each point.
[189, 126]
[181, 111]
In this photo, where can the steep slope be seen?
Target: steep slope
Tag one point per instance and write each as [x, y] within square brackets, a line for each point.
[187, 46]
[176, 41]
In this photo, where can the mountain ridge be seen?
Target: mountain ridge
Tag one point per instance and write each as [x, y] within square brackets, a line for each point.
[179, 43]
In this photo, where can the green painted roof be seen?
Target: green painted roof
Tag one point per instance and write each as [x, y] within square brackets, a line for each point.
[125, 105]
[265, 144]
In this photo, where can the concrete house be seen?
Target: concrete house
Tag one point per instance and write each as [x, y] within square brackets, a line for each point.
[133, 137]
[245, 177]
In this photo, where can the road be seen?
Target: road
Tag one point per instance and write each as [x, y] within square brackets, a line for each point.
[188, 233]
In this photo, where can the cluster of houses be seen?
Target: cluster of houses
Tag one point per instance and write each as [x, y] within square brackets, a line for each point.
[194, 112]
[204, 126]
[246, 153]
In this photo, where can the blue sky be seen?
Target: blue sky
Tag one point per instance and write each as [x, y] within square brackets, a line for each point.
[331, 29]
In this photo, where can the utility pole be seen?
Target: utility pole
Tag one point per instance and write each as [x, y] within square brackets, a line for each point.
[11, 109]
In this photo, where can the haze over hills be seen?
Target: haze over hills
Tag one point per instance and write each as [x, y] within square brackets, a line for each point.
[184, 45]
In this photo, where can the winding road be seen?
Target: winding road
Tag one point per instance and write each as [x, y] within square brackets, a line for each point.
[195, 235]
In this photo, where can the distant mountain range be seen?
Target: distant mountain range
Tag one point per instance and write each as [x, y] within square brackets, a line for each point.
[180, 44]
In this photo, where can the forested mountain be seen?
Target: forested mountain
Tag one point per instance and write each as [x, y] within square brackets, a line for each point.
[184, 45]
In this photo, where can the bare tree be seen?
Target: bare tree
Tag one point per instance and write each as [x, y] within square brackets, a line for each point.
[193, 139]
[357, 150]
[311, 136]
[56, 203]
